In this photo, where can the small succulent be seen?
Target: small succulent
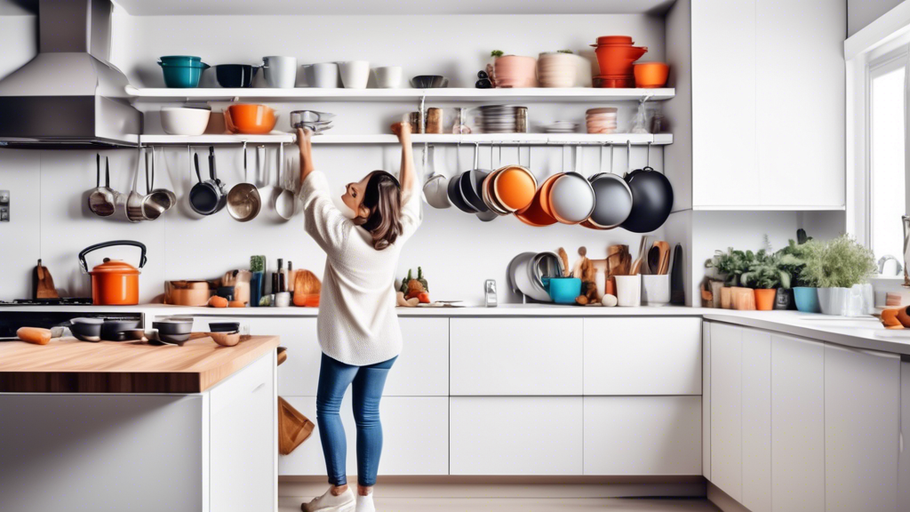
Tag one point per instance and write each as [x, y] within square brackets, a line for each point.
[497, 53]
[257, 263]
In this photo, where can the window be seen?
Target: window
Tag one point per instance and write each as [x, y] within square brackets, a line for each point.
[887, 163]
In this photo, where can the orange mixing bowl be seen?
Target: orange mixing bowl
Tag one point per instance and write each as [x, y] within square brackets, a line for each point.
[651, 74]
[250, 119]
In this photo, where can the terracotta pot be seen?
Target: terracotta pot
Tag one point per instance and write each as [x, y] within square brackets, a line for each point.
[615, 60]
[764, 299]
[651, 74]
[516, 71]
[726, 297]
[743, 298]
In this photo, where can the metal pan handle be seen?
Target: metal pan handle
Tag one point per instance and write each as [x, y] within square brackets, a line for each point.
[113, 243]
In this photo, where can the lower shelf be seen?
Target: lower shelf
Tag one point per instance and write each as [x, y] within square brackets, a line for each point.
[537, 139]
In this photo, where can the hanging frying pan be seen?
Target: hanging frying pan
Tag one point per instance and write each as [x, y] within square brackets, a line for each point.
[613, 197]
[652, 198]
[571, 198]
[472, 185]
[513, 186]
[454, 190]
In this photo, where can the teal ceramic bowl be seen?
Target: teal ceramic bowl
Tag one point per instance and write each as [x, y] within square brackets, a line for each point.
[563, 290]
[806, 299]
[179, 60]
[182, 76]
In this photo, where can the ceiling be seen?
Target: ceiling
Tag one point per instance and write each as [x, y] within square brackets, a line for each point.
[380, 7]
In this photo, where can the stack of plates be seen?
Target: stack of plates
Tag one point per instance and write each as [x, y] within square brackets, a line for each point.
[561, 127]
[317, 122]
[500, 119]
[601, 120]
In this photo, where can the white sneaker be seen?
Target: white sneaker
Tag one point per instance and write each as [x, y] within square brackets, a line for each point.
[365, 503]
[328, 502]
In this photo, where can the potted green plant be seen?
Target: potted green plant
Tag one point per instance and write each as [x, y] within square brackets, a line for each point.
[730, 266]
[764, 276]
[793, 259]
[841, 265]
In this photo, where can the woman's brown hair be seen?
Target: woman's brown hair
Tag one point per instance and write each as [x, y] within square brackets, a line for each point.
[383, 198]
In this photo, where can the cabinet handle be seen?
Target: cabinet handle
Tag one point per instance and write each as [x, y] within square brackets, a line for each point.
[901, 442]
[257, 388]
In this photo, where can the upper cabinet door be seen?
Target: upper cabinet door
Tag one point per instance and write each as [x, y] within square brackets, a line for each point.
[768, 104]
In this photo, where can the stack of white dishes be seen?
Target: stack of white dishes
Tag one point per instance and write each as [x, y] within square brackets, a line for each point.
[556, 69]
[561, 127]
[601, 120]
[317, 122]
[499, 118]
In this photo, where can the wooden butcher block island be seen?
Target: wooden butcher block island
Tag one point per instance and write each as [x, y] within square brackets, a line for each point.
[67, 365]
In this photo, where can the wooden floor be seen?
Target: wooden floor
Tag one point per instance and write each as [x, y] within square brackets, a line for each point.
[292, 504]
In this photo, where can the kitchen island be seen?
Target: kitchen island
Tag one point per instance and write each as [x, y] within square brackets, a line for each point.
[130, 426]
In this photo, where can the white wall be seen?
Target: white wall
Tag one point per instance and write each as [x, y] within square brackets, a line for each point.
[456, 251]
[863, 12]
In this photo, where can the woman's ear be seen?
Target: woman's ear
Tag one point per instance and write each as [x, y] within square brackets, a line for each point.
[363, 211]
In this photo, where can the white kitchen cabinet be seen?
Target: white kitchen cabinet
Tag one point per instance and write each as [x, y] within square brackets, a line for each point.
[642, 356]
[422, 369]
[862, 429]
[642, 435]
[903, 498]
[706, 400]
[726, 409]
[516, 356]
[756, 420]
[242, 446]
[768, 86]
[415, 438]
[516, 435]
[797, 425]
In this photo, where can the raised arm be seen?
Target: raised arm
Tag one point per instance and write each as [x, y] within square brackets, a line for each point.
[408, 175]
[305, 144]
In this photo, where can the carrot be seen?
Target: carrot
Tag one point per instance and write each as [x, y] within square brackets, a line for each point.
[218, 302]
[424, 298]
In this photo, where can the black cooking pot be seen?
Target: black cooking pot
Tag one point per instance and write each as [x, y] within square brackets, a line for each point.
[235, 75]
[652, 200]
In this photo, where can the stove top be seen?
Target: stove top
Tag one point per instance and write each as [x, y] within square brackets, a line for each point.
[65, 301]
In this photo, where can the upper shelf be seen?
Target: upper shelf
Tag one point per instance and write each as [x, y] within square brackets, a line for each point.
[506, 139]
[536, 94]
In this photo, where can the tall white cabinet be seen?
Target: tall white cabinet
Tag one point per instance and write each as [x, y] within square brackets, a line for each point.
[768, 111]
[801, 425]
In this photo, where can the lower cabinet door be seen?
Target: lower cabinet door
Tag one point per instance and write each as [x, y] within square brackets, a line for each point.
[516, 435]
[642, 435]
[415, 438]
[242, 446]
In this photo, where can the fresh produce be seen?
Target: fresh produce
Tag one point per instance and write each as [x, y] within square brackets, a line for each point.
[236, 304]
[406, 303]
[424, 298]
[34, 335]
[413, 288]
[218, 302]
[257, 263]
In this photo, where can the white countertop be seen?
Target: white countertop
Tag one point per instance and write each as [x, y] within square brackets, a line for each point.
[862, 333]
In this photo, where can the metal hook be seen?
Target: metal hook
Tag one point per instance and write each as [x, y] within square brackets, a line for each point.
[628, 156]
[649, 153]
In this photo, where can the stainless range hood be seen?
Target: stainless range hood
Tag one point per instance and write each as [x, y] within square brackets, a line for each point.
[69, 95]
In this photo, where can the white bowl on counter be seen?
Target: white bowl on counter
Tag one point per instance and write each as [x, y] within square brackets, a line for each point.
[184, 120]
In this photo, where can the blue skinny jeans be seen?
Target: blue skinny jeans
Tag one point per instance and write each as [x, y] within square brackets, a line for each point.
[367, 383]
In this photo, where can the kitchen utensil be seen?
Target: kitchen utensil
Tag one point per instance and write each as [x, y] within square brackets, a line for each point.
[184, 120]
[612, 197]
[677, 285]
[652, 199]
[563, 290]
[113, 330]
[564, 257]
[159, 200]
[556, 69]
[388, 77]
[514, 187]
[224, 326]
[225, 339]
[571, 198]
[101, 200]
[651, 74]
[655, 290]
[86, 329]
[235, 75]
[615, 55]
[515, 71]
[637, 264]
[250, 119]
[43, 283]
[243, 200]
[205, 196]
[181, 71]
[429, 82]
[354, 73]
[323, 75]
[435, 190]
[663, 257]
[134, 199]
[293, 428]
[628, 290]
[528, 269]
[280, 72]
[114, 282]
[286, 201]
[152, 206]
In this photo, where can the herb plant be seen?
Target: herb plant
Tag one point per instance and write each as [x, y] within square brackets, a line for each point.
[840, 263]
[257, 263]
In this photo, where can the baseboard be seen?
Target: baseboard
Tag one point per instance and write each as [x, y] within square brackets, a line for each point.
[723, 501]
[514, 487]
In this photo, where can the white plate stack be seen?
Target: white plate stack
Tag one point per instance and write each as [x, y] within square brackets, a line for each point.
[561, 127]
[601, 120]
[500, 119]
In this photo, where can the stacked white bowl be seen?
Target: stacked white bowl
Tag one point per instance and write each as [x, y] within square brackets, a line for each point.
[556, 69]
[601, 120]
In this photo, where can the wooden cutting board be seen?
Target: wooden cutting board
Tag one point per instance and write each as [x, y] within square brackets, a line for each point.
[293, 427]
[44, 283]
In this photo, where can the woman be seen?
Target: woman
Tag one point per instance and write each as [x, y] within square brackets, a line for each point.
[358, 327]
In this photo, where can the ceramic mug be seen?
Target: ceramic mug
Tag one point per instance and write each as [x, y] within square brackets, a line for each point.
[563, 290]
[355, 73]
[628, 290]
[388, 77]
[323, 75]
[655, 290]
[280, 72]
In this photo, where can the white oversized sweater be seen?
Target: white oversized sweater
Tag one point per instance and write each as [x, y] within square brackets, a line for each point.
[357, 322]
